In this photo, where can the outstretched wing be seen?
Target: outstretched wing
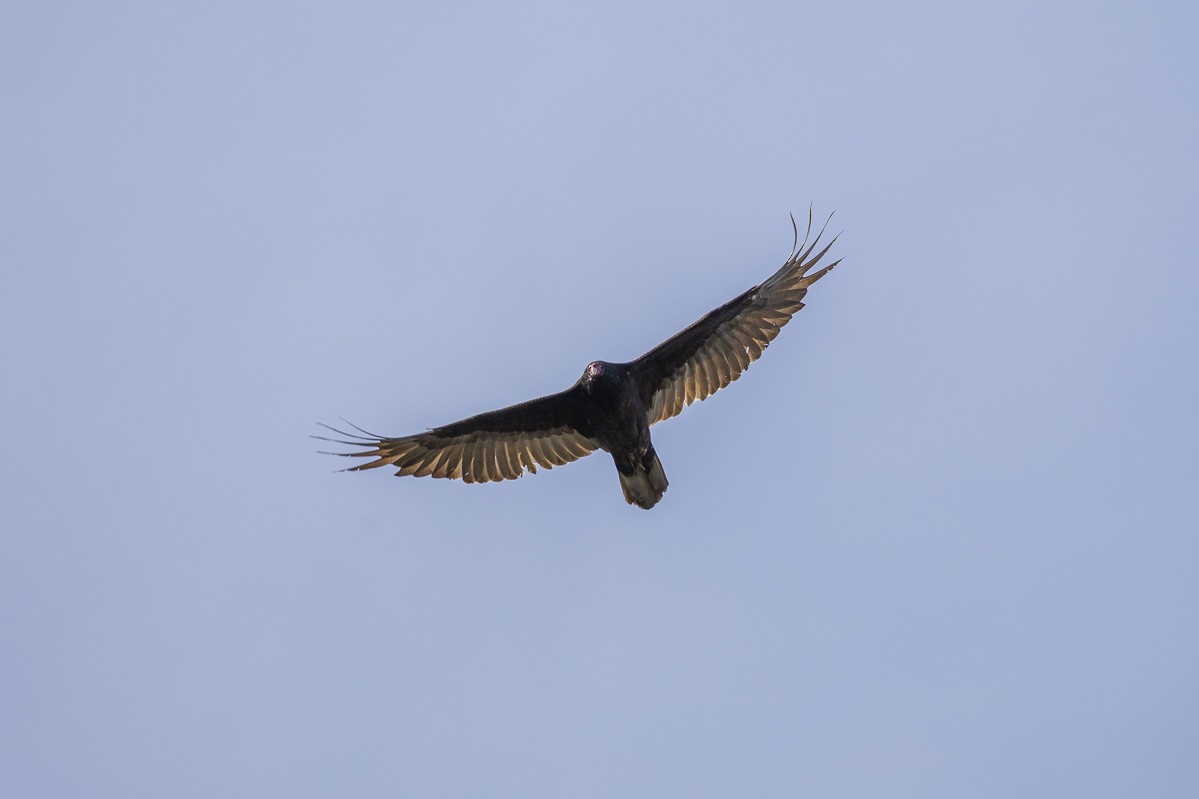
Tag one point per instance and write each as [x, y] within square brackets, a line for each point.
[714, 351]
[498, 445]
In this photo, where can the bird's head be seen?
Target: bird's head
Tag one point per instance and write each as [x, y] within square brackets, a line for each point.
[596, 372]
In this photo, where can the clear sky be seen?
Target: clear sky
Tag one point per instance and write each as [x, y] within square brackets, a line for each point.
[941, 541]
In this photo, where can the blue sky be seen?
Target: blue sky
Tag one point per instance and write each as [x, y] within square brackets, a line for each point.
[939, 542]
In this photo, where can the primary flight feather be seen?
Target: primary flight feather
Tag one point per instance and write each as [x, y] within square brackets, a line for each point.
[612, 406]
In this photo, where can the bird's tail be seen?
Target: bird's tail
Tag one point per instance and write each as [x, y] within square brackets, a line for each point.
[646, 483]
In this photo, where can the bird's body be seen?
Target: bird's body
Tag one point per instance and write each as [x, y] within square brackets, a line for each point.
[612, 406]
[620, 425]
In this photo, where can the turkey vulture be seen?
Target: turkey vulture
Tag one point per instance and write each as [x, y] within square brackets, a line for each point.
[612, 405]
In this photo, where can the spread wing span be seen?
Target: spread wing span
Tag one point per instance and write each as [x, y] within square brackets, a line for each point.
[714, 351]
[497, 445]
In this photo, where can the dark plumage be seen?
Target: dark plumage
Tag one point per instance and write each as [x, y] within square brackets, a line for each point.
[612, 405]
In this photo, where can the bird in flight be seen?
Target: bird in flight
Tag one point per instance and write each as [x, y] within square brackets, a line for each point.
[612, 406]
